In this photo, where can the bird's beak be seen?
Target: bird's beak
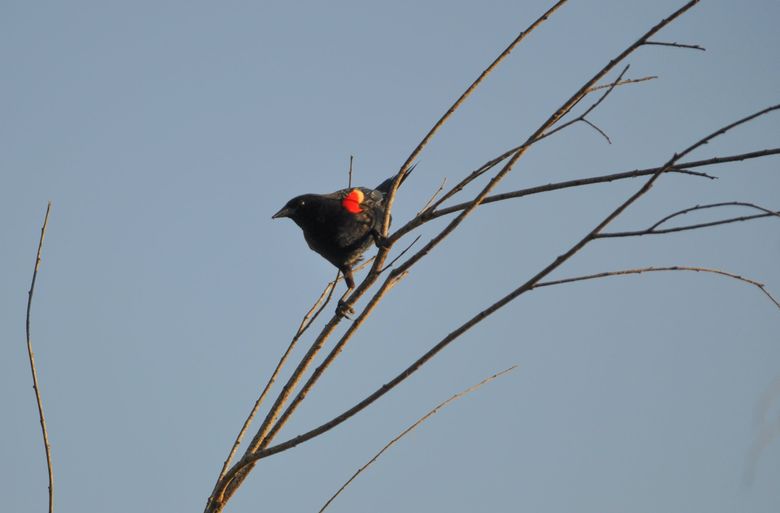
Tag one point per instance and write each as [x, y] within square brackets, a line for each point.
[284, 212]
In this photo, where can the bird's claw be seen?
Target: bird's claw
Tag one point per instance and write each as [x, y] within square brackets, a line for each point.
[380, 240]
[344, 310]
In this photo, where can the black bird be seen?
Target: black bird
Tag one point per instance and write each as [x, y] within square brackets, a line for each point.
[340, 226]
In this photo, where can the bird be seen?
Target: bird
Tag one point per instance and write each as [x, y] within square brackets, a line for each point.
[342, 225]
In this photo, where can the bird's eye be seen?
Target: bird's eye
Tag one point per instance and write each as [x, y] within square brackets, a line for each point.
[301, 203]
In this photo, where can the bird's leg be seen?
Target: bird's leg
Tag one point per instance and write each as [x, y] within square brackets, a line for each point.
[342, 308]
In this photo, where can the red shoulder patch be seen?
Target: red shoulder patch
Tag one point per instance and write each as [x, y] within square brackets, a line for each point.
[352, 201]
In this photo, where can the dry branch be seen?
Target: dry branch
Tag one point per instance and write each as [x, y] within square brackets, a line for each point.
[653, 230]
[676, 45]
[642, 270]
[31, 355]
[412, 427]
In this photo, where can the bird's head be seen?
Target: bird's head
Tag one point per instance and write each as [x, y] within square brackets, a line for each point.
[297, 208]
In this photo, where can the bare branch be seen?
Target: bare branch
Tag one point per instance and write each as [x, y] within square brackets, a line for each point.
[676, 45]
[653, 230]
[36, 386]
[623, 82]
[639, 233]
[402, 253]
[411, 428]
[597, 129]
[433, 196]
[711, 205]
[349, 181]
[583, 117]
[642, 270]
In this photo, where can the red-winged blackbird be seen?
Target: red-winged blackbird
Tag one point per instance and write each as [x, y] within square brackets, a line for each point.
[341, 225]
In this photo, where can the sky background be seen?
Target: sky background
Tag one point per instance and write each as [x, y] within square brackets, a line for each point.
[167, 134]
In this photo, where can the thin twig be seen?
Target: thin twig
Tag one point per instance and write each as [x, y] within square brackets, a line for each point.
[349, 182]
[642, 270]
[393, 261]
[597, 129]
[583, 117]
[412, 427]
[711, 205]
[624, 82]
[653, 230]
[639, 233]
[433, 196]
[676, 45]
[36, 387]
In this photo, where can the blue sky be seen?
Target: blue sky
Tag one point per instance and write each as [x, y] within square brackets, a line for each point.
[167, 133]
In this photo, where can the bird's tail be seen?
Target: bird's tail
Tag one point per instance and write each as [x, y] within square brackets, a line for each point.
[384, 187]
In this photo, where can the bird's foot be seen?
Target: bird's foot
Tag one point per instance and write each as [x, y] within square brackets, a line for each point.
[344, 310]
[380, 240]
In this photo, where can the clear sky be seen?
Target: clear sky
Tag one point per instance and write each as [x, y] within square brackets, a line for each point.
[167, 133]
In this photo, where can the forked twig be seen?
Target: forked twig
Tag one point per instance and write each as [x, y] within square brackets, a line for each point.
[653, 230]
[487, 166]
[433, 196]
[712, 205]
[642, 270]
[412, 427]
[584, 116]
[36, 387]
